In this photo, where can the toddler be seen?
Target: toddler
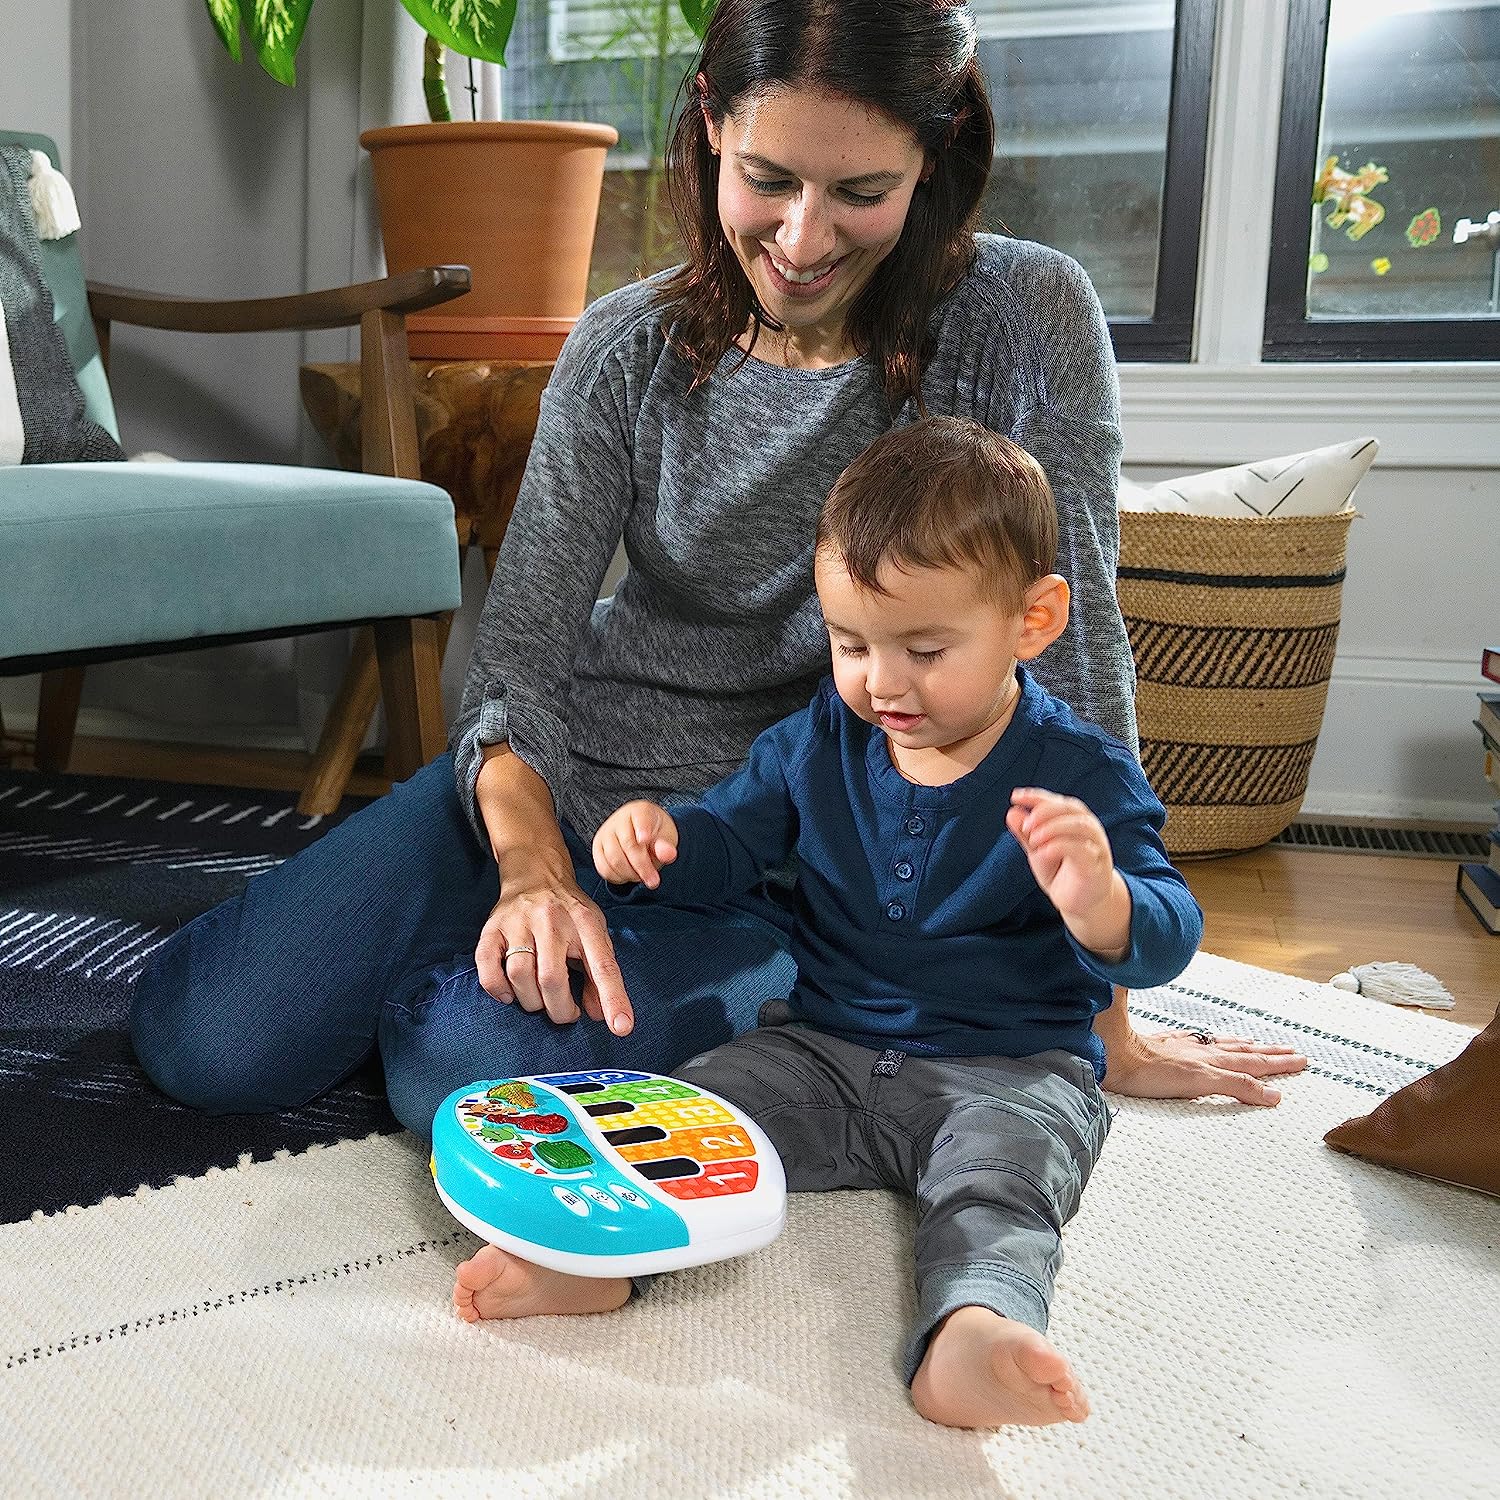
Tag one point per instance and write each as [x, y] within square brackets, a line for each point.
[975, 868]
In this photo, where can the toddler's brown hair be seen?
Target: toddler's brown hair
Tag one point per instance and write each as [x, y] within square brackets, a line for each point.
[945, 492]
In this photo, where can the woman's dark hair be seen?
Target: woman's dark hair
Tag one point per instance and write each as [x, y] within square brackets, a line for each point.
[913, 60]
[943, 493]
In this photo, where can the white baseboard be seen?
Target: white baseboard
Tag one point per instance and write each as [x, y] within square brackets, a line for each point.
[110, 723]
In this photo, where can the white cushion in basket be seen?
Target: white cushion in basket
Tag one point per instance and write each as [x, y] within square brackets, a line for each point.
[1316, 483]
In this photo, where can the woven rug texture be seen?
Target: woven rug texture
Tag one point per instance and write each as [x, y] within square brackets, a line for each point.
[1253, 1315]
[95, 874]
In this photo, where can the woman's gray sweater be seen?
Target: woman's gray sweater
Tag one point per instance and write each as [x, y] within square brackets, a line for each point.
[714, 632]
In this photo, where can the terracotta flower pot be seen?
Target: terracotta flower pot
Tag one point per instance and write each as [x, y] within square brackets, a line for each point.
[517, 202]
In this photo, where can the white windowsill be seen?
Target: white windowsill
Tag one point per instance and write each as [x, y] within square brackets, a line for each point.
[1427, 416]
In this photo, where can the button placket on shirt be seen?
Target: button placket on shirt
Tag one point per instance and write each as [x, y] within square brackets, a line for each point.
[904, 866]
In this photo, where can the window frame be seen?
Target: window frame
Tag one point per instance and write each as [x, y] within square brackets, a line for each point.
[1167, 335]
[1288, 332]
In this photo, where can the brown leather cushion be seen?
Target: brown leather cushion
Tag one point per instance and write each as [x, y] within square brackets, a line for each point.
[1444, 1125]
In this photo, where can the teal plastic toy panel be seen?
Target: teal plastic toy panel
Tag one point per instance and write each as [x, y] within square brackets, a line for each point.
[607, 1173]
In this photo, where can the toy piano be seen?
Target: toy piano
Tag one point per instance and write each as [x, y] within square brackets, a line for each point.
[607, 1173]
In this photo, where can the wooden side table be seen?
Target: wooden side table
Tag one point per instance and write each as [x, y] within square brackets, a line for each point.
[475, 422]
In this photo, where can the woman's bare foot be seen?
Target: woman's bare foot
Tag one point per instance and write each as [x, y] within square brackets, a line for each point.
[982, 1370]
[495, 1284]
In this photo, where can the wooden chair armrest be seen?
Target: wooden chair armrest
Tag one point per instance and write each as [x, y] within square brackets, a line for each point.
[338, 307]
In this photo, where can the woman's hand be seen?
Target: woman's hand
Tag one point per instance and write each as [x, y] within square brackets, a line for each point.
[634, 842]
[542, 922]
[1189, 1064]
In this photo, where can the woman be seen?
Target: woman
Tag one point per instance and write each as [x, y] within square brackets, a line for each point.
[826, 176]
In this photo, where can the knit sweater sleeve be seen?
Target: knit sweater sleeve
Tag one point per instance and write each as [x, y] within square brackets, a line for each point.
[569, 517]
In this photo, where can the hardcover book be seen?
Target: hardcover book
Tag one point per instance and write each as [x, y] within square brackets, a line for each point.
[1480, 887]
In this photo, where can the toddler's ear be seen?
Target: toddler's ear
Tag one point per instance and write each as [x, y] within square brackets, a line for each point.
[1044, 615]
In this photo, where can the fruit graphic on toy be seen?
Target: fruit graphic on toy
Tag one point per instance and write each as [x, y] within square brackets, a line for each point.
[513, 1150]
[514, 1093]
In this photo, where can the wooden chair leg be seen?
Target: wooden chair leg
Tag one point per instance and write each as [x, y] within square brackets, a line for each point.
[57, 717]
[348, 722]
[445, 629]
[344, 730]
[410, 657]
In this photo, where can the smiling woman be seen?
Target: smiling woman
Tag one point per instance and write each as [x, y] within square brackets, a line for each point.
[843, 180]
[810, 245]
[834, 288]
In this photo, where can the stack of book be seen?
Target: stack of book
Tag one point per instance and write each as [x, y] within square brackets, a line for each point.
[1478, 884]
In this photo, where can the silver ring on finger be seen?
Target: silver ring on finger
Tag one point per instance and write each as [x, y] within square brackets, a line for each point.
[510, 953]
[1198, 1034]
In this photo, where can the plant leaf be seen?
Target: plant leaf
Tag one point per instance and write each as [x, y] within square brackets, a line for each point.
[697, 13]
[225, 14]
[276, 28]
[475, 28]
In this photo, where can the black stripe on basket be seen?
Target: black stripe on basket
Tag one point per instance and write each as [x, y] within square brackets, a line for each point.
[1232, 656]
[1234, 580]
[1184, 775]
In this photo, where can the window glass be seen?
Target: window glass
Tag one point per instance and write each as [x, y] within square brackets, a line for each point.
[1081, 95]
[1406, 182]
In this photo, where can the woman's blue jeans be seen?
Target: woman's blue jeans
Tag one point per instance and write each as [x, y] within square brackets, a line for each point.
[366, 939]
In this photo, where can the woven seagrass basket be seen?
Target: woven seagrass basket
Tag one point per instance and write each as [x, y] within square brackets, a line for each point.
[1233, 623]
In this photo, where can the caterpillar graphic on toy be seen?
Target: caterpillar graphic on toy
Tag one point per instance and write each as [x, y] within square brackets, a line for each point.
[607, 1173]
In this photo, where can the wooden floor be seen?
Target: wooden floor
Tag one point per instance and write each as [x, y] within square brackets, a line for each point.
[1314, 913]
[1301, 911]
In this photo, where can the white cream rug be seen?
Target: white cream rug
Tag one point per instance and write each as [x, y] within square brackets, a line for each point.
[1254, 1315]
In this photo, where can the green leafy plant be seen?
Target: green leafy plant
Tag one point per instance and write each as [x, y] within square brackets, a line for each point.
[474, 28]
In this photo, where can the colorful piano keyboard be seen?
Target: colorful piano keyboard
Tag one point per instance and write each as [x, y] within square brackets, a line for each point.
[607, 1173]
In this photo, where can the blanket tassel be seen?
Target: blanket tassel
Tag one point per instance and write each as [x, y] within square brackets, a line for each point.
[1396, 984]
[52, 200]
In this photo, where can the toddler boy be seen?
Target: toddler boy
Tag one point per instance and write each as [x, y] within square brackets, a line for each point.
[976, 867]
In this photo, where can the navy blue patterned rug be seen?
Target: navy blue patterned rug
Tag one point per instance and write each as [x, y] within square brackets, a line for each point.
[95, 874]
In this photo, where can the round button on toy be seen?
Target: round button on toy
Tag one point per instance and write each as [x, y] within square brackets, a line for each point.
[607, 1173]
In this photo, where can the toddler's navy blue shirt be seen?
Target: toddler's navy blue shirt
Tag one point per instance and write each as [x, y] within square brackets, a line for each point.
[918, 922]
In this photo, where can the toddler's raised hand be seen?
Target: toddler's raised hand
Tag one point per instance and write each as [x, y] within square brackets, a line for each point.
[1069, 854]
[634, 842]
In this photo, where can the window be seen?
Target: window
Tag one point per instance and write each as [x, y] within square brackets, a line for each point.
[1101, 110]
[1386, 238]
[1101, 118]
[596, 30]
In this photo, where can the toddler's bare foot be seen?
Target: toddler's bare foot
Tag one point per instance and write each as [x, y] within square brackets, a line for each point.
[982, 1370]
[495, 1284]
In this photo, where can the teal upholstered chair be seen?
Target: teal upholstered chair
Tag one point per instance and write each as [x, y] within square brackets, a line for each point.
[103, 561]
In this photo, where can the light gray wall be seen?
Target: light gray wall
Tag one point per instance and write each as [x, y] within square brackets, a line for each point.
[193, 184]
[35, 69]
